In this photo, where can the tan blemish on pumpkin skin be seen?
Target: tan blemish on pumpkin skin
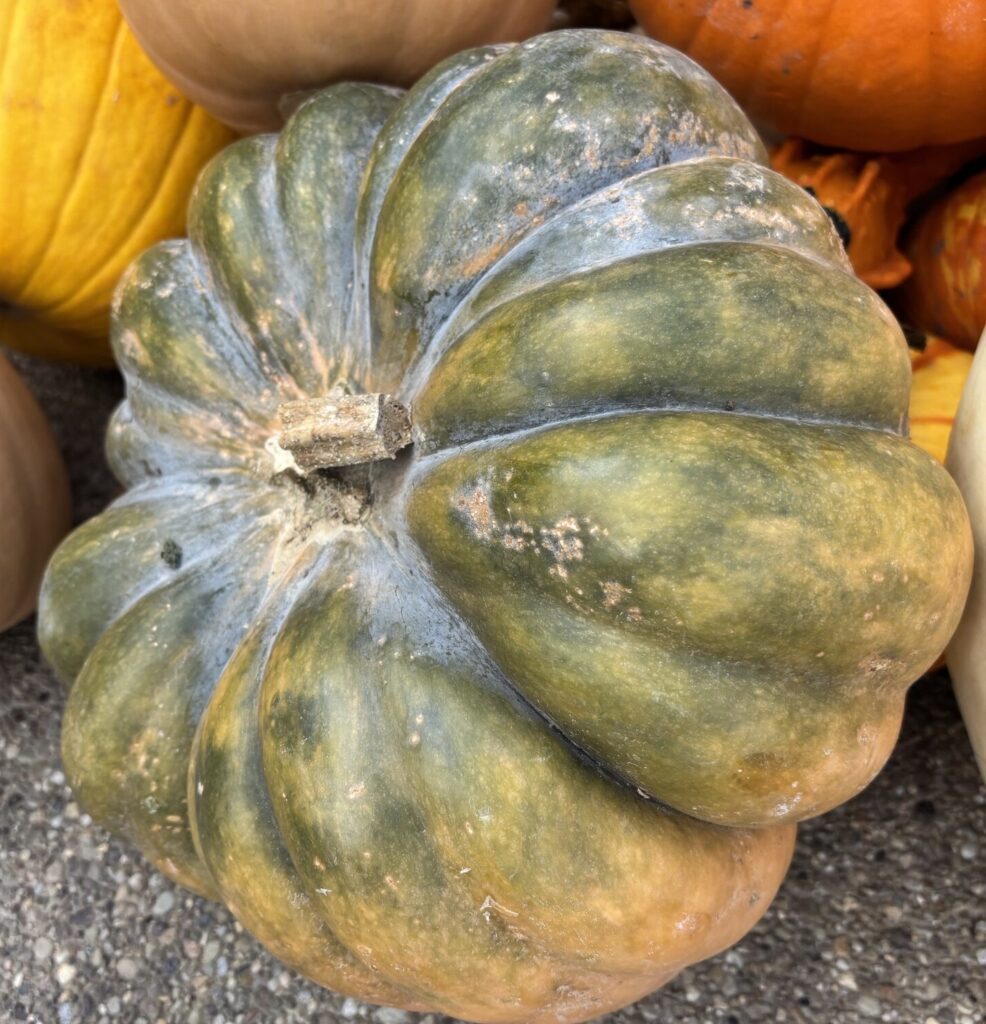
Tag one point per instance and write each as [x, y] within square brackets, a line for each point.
[478, 509]
[613, 593]
[562, 540]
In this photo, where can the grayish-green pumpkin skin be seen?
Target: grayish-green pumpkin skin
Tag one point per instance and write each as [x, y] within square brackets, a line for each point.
[517, 725]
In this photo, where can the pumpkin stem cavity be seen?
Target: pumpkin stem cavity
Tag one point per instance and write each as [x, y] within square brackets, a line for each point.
[343, 430]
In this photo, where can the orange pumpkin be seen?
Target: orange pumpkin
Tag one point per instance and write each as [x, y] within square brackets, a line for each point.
[947, 291]
[859, 75]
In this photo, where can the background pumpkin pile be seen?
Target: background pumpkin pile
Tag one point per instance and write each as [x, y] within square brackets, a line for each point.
[658, 547]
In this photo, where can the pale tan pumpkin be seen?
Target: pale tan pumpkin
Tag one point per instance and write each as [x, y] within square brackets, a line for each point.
[240, 59]
[34, 496]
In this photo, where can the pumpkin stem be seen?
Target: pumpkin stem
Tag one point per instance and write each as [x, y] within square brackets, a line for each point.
[343, 430]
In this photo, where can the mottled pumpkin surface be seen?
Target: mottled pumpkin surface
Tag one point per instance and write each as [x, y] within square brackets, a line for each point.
[517, 724]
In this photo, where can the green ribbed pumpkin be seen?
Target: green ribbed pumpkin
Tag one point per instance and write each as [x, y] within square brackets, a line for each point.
[516, 724]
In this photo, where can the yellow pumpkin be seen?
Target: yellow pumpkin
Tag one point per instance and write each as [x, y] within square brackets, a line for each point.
[940, 370]
[98, 154]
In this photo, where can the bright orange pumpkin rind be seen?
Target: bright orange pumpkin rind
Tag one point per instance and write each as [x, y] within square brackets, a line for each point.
[873, 76]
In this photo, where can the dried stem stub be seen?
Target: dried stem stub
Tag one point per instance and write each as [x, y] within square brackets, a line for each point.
[343, 430]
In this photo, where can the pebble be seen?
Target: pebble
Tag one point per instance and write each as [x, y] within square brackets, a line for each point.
[981, 956]
[968, 851]
[868, 1006]
[349, 1008]
[126, 968]
[43, 948]
[389, 1015]
[163, 904]
[64, 974]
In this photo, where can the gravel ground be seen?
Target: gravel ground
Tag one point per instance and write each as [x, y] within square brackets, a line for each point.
[883, 916]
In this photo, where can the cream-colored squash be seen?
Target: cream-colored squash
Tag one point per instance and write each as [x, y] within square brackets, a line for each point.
[966, 653]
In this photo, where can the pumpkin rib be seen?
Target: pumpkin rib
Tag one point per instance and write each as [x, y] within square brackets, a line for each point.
[219, 249]
[56, 224]
[462, 511]
[289, 940]
[416, 566]
[452, 327]
[296, 839]
[434, 433]
[435, 80]
[231, 367]
[154, 494]
[180, 421]
[345, 146]
[569, 169]
[131, 698]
